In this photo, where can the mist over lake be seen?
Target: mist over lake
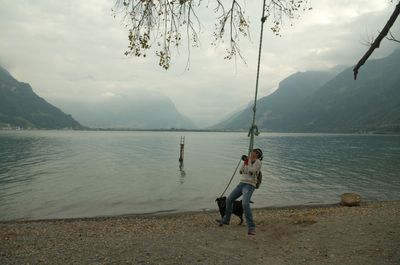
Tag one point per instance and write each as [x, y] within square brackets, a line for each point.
[57, 174]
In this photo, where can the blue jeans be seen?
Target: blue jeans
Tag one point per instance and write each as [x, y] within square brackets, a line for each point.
[242, 189]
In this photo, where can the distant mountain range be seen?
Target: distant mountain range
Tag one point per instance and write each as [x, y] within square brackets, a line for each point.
[145, 111]
[326, 102]
[312, 101]
[20, 107]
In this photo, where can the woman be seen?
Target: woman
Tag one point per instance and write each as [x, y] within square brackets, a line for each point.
[246, 187]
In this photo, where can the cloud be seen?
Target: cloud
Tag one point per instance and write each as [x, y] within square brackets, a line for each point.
[73, 50]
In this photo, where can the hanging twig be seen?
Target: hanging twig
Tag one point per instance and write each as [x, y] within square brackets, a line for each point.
[164, 24]
[393, 38]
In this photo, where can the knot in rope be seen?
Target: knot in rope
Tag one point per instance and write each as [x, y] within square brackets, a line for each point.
[263, 19]
[253, 130]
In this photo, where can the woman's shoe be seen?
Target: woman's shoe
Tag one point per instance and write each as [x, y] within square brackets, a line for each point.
[219, 221]
[251, 232]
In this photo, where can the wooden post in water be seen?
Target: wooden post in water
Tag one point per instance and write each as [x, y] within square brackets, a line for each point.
[182, 145]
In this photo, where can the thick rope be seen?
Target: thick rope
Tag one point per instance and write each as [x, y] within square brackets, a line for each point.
[254, 129]
[231, 178]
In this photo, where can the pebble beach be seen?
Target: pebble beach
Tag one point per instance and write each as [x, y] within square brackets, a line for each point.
[328, 234]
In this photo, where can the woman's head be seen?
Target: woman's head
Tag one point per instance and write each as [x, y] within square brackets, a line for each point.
[258, 153]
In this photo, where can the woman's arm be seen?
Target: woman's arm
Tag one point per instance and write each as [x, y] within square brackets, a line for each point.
[242, 169]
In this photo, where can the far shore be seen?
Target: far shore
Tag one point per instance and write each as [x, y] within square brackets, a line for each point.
[317, 234]
[338, 132]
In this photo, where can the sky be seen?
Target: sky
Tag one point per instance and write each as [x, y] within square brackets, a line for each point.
[73, 51]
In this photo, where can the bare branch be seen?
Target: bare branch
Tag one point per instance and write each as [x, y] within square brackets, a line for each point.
[378, 40]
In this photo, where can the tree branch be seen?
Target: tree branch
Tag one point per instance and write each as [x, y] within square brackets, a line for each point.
[378, 39]
[166, 22]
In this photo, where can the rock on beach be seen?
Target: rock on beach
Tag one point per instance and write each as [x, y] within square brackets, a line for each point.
[350, 199]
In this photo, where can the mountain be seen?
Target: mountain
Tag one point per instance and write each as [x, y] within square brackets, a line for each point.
[341, 104]
[372, 103]
[145, 111]
[21, 107]
[275, 108]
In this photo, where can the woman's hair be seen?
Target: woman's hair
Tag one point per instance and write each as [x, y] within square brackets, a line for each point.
[259, 153]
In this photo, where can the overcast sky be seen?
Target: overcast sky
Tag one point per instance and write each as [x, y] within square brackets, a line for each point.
[74, 51]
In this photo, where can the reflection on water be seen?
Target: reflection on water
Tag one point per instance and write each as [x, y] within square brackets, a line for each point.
[46, 174]
[182, 172]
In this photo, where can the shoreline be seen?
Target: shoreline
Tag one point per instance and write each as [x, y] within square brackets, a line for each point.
[172, 213]
[326, 234]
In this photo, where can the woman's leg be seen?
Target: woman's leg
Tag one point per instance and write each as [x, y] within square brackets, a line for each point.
[229, 203]
[247, 191]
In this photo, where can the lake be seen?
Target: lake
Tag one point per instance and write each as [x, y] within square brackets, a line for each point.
[64, 174]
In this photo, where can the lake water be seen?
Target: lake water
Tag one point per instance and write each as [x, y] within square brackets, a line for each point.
[58, 174]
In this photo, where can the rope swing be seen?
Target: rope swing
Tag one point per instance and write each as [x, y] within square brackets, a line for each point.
[254, 129]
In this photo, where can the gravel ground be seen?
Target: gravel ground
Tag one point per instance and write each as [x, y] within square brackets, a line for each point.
[369, 234]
